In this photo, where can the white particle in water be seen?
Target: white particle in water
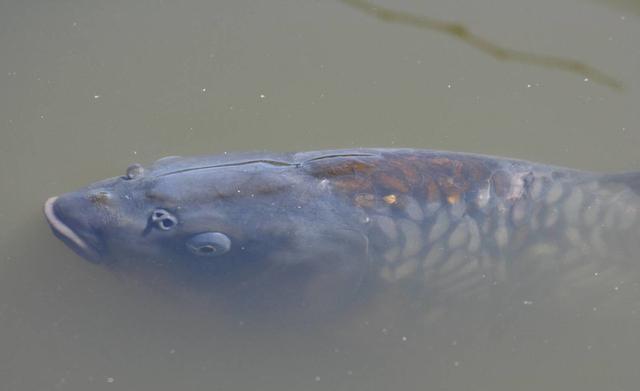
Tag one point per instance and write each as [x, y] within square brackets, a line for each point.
[204, 90]
[529, 86]
[261, 96]
[317, 378]
[586, 79]
[96, 97]
[110, 380]
[404, 339]
[456, 363]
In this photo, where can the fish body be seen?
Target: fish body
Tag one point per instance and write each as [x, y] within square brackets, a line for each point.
[312, 227]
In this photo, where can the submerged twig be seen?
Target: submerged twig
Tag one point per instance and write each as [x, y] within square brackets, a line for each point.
[462, 33]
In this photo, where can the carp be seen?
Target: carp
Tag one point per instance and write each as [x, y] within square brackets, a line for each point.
[312, 228]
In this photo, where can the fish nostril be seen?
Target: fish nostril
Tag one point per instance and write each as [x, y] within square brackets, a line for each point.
[163, 219]
[134, 171]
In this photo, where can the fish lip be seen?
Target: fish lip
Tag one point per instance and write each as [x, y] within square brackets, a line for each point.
[67, 235]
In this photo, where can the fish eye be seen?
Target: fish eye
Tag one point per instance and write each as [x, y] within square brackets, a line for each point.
[163, 220]
[209, 244]
[134, 171]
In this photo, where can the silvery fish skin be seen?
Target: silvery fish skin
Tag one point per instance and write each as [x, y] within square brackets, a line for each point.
[316, 225]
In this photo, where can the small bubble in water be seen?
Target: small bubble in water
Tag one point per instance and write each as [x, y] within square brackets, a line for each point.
[110, 380]
[261, 96]
[96, 96]
[317, 378]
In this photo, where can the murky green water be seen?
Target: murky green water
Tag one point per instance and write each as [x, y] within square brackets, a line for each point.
[86, 88]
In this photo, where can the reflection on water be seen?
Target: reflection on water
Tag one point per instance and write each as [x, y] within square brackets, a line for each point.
[462, 33]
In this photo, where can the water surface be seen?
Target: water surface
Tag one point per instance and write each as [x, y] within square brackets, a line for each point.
[86, 88]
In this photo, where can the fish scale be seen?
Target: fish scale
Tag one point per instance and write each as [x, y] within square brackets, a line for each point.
[511, 216]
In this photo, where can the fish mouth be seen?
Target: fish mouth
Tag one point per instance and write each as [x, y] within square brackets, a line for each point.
[79, 245]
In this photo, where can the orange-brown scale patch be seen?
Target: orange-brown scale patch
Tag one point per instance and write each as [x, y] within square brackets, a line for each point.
[390, 199]
[440, 161]
[409, 171]
[476, 172]
[453, 198]
[353, 184]
[391, 182]
[432, 190]
[334, 168]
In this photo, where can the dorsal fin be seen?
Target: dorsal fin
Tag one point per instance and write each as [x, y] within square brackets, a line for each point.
[340, 165]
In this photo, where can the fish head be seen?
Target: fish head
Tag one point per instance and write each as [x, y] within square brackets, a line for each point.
[261, 213]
